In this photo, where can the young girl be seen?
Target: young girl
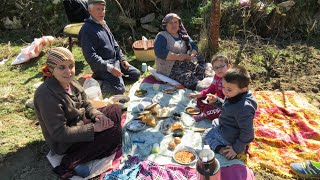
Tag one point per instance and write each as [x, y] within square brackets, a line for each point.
[220, 65]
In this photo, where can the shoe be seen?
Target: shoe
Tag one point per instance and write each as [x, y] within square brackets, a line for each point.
[307, 169]
[82, 170]
[198, 117]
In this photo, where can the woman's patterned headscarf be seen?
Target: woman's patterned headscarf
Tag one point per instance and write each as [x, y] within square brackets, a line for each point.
[54, 57]
[182, 31]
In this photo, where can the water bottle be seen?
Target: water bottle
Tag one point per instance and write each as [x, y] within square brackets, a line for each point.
[92, 89]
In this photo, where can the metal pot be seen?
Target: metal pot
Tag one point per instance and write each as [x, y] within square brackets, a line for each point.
[208, 167]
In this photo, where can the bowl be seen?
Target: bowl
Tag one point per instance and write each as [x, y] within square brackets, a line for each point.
[135, 125]
[185, 155]
[140, 92]
[122, 100]
[169, 90]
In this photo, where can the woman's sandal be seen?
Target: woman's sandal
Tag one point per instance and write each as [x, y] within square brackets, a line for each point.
[307, 169]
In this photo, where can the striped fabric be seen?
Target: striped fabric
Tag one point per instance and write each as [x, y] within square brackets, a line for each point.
[57, 55]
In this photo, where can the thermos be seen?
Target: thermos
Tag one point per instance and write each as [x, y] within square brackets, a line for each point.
[208, 167]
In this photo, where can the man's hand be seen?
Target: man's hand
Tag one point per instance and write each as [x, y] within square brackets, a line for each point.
[116, 72]
[228, 152]
[125, 64]
[102, 123]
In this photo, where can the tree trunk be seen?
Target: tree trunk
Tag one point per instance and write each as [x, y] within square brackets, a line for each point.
[215, 25]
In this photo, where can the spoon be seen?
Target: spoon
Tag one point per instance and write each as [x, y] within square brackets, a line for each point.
[205, 101]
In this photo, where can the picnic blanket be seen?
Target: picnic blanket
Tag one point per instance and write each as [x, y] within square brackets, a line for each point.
[287, 130]
[177, 103]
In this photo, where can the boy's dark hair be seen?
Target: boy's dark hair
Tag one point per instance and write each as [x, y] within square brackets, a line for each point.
[221, 58]
[237, 75]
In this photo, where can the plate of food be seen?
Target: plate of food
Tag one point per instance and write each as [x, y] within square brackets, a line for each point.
[185, 155]
[163, 113]
[192, 110]
[146, 102]
[169, 90]
[154, 108]
[140, 92]
[135, 125]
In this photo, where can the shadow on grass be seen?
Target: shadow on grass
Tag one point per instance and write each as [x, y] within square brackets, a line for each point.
[79, 67]
[28, 162]
[38, 75]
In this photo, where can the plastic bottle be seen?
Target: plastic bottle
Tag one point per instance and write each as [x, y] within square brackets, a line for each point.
[155, 148]
[92, 89]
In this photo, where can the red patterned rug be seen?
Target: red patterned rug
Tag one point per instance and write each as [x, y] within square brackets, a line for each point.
[287, 130]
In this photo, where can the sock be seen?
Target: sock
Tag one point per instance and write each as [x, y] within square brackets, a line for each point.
[82, 170]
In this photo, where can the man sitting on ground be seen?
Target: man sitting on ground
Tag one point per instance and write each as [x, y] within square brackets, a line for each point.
[103, 53]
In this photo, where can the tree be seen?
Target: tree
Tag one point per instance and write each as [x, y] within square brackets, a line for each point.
[215, 25]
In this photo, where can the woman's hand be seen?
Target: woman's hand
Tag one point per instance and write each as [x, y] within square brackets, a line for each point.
[194, 95]
[228, 152]
[185, 57]
[193, 53]
[211, 98]
[102, 123]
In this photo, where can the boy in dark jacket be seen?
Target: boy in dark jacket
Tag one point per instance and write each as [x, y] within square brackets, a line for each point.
[233, 130]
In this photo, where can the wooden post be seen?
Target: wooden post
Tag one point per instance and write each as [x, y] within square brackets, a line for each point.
[215, 25]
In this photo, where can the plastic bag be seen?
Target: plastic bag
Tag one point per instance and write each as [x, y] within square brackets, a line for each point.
[92, 89]
[33, 50]
[145, 43]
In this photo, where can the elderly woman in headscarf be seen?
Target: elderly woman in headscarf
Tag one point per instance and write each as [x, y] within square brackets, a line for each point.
[176, 53]
[69, 123]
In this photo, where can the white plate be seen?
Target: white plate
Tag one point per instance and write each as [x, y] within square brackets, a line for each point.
[197, 110]
[146, 102]
[135, 125]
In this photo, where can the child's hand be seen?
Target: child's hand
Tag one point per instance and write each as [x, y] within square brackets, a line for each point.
[194, 95]
[211, 98]
[228, 152]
